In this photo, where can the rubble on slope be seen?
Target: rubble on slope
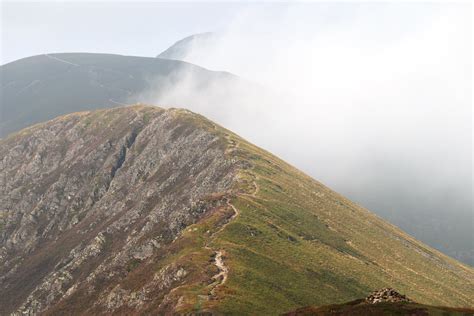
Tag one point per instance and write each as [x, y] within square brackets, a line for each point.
[386, 295]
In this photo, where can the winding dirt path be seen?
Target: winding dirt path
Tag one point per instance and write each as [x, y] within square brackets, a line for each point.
[221, 277]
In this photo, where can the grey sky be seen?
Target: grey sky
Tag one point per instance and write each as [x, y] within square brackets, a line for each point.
[134, 28]
[130, 28]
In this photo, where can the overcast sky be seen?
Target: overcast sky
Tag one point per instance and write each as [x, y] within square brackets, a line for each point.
[133, 28]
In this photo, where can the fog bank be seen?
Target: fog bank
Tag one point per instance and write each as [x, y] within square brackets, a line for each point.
[373, 100]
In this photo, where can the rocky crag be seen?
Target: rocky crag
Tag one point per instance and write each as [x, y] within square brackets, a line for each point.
[89, 197]
[141, 210]
[386, 295]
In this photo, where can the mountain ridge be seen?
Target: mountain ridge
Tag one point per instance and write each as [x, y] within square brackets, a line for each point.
[41, 87]
[239, 227]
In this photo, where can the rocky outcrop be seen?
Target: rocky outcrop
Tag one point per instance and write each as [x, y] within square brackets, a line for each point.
[386, 295]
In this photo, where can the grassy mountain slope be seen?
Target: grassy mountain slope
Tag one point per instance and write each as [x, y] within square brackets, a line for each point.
[39, 88]
[239, 230]
[296, 241]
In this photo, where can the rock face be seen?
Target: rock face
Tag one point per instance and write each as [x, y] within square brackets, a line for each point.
[87, 197]
[386, 295]
[141, 210]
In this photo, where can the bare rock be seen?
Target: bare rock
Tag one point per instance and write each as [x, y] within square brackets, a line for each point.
[386, 295]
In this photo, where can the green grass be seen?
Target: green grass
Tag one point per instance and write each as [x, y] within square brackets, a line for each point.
[297, 243]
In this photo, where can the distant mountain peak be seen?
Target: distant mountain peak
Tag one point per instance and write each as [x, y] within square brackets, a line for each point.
[39, 88]
[188, 45]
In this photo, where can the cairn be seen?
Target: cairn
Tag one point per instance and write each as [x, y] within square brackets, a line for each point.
[386, 295]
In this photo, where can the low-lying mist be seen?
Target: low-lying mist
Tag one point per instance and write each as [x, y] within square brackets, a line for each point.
[373, 100]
